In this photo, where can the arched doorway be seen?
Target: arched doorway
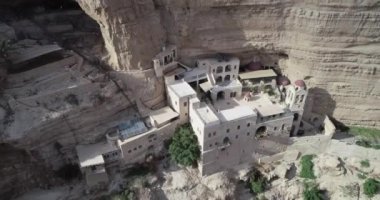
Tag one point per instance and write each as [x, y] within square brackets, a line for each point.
[219, 69]
[228, 68]
[226, 141]
[219, 79]
[227, 78]
[220, 95]
[296, 116]
[261, 131]
[292, 130]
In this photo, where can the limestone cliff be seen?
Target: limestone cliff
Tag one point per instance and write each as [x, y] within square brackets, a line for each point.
[333, 44]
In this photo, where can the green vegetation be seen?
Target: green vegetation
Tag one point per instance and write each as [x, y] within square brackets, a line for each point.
[371, 187]
[184, 148]
[367, 144]
[257, 183]
[307, 167]
[364, 163]
[269, 90]
[367, 133]
[311, 192]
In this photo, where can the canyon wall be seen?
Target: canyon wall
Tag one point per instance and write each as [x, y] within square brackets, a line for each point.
[333, 44]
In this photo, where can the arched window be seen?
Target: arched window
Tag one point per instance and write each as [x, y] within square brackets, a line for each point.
[228, 68]
[219, 79]
[260, 132]
[227, 78]
[295, 117]
[219, 69]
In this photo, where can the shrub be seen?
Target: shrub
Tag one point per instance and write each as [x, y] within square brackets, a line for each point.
[184, 148]
[257, 186]
[307, 167]
[371, 187]
[364, 163]
[257, 182]
[311, 192]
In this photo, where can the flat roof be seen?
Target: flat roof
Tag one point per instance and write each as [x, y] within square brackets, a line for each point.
[163, 115]
[216, 61]
[174, 70]
[131, 128]
[266, 108]
[258, 74]
[236, 113]
[92, 154]
[182, 89]
[207, 114]
[206, 86]
[168, 50]
[22, 55]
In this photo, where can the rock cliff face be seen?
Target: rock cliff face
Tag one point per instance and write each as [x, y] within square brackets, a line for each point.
[333, 44]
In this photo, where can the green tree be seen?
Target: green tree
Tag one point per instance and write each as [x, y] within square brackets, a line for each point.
[311, 192]
[307, 167]
[371, 187]
[257, 181]
[184, 148]
[257, 186]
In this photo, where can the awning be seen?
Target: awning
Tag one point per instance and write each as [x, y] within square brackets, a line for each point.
[258, 74]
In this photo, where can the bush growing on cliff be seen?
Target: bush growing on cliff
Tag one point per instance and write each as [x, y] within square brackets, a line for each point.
[257, 182]
[307, 167]
[184, 148]
[311, 192]
[371, 187]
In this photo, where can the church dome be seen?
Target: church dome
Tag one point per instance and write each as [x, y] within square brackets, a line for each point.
[254, 66]
[300, 83]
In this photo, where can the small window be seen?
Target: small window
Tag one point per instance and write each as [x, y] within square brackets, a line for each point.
[249, 124]
[235, 67]
[216, 143]
[140, 146]
[248, 133]
[150, 140]
[93, 168]
[134, 149]
[209, 135]
[228, 130]
[275, 128]
[238, 127]
[236, 136]
[185, 104]
[185, 114]
[214, 133]
[155, 139]
[210, 145]
[129, 151]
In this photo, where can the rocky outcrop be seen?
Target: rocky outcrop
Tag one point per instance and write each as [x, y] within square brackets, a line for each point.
[332, 44]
